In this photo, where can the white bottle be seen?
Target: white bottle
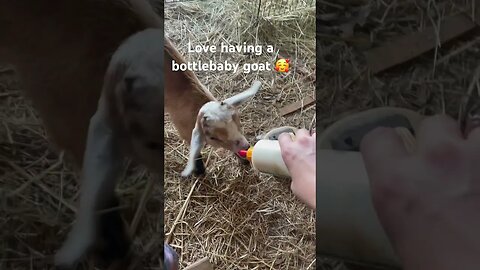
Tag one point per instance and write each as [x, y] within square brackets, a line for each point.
[266, 157]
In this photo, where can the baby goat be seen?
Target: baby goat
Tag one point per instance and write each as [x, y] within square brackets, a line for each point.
[129, 121]
[200, 118]
[218, 124]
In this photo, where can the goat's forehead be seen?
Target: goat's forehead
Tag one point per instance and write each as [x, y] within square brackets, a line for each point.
[229, 132]
[215, 111]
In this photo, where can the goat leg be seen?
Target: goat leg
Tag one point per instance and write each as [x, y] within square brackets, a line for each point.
[101, 168]
[113, 241]
[196, 146]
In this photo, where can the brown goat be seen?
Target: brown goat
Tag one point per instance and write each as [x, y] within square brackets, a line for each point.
[200, 118]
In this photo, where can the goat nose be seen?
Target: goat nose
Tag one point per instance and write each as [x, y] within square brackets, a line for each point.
[243, 144]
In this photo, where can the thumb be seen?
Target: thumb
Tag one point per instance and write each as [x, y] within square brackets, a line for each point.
[380, 148]
[284, 140]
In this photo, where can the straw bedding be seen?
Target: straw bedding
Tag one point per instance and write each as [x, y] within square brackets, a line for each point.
[235, 216]
[443, 80]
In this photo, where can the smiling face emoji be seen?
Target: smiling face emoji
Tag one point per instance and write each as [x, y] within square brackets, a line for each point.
[282, 65]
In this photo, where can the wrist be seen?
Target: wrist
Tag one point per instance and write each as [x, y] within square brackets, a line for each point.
[439, 247]
[304, 187]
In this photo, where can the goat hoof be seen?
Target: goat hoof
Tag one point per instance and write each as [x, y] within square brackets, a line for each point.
[199, 172]
[113, 243]
[199, 167]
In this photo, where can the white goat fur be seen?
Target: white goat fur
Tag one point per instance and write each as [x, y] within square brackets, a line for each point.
[218, 125]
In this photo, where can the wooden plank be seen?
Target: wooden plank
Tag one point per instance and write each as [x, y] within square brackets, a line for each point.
[300, 67]
[410, 46]
[290, 108]
[202, 264]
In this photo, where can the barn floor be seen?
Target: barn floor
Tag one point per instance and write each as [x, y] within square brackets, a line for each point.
[444, 79]
[234, 216]
[38, 192]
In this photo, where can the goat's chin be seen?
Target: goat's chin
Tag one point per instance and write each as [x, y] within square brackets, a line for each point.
[232, 148]
[236, 150]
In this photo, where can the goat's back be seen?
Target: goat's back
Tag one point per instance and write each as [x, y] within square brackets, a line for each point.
[184, 93]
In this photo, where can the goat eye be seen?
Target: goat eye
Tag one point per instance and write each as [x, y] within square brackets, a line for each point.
[153, 145]
[214, 139]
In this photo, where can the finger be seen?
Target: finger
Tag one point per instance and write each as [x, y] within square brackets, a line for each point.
[302, 133]
[436, 131]
[381, 148]
[284, 140]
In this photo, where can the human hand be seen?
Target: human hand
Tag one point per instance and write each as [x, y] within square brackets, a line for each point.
[428, 201]
[299, 157]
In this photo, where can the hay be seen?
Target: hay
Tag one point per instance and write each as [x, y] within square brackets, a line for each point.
[236, 217]
[38, 191]
[435, 82]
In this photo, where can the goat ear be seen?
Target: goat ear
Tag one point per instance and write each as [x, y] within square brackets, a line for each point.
[244, 96]
[201, 121]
